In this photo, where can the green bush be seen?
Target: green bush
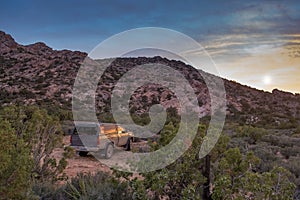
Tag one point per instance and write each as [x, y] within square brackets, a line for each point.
[98, 186]
[28, 136]
[69, 152]
[84, 187]
[237, 179]
[253, 134]
[15, 163]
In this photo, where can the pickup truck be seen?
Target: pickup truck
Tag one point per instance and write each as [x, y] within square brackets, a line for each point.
[99, 137]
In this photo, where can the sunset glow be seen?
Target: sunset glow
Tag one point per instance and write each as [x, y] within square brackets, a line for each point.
[247, 40]
[267, 80]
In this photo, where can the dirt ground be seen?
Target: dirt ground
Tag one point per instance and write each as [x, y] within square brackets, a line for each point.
[78, 164]
[89, 164]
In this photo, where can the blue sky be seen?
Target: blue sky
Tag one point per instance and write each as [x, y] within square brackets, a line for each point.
[232, 31]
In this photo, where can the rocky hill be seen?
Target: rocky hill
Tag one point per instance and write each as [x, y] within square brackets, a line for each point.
[37, 74]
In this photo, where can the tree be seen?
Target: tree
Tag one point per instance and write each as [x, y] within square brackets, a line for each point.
[232, 167]
[15, 163]
[237, 179]
[270, 185]
[182, 179]
[43, 135]
[219, 148]
[186, 177]
[28, 135]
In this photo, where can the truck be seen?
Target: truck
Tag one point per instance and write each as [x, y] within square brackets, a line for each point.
[99, 137]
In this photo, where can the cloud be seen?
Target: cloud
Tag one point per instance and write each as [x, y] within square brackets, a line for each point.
[275, 63]
[245, 39]
[248, 58]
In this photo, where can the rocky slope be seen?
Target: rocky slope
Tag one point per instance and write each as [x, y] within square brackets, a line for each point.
[37, 74]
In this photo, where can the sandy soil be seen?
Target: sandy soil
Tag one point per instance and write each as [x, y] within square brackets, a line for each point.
[90, 164]
[78, 164]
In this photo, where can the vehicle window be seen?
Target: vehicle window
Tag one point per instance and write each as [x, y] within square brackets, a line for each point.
[86, 130]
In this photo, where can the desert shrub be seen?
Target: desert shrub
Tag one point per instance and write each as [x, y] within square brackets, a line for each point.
[98, 186]
[245, 105]
[183, 179]
[142, 119]
[291, 123]
[46, 191]
[105, 117]
[281, 141]
[254, 134]
[290, 151]
[41, 133]
[296, 132]
[237, 179]
[238, 142]
[69, 152]
[27, 93]
[266, 121]
[267, 156]
[293, 166]
[84, 187]
[15, 163]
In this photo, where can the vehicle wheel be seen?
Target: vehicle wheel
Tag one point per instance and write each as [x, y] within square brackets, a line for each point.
[109, 150]
[135, 139]
[127, 146]
[83, 153]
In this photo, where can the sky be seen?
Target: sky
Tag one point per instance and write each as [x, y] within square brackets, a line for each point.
[252, 42]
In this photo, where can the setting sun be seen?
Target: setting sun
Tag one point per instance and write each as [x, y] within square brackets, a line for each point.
[267, 80]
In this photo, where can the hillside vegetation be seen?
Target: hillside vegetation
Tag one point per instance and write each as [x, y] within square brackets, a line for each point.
[257, 155]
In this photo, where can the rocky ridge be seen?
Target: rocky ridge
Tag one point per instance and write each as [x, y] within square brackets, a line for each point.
[37, 74]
